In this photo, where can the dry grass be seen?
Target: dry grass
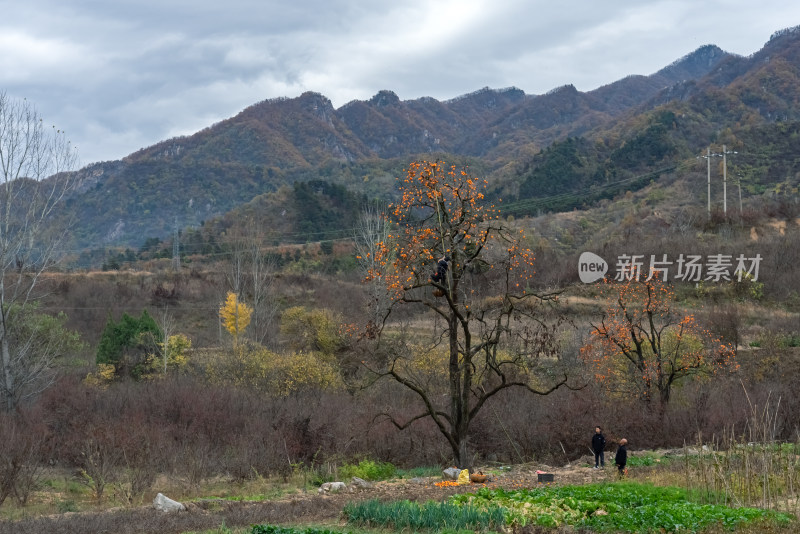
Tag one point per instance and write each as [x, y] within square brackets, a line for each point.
[59, 492]
[748, 469]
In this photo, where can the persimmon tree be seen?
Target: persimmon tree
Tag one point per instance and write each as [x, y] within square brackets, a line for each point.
[643, 346]
[494, 331]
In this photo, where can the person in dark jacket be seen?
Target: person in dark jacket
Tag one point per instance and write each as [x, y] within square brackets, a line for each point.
[598, 446]
[622, 457]
[441, 269]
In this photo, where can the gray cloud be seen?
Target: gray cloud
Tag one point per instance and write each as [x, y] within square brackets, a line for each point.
[118, 76]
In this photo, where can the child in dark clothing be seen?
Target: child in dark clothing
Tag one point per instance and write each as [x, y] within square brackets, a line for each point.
[598, 446]
[622, 457]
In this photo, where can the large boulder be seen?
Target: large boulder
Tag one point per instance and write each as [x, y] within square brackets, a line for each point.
[451, 473]
[360, 483]
[165, 504]
[332, 487]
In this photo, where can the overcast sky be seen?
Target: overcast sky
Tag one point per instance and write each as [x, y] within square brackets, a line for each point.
[119, 75]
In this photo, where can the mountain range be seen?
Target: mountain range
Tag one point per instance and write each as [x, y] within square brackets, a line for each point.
[564, 142]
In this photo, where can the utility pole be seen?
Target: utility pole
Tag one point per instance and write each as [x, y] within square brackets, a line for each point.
[708, 160]
[725, 153]
[724, 157]
[176, 257]
[724, 181]
[739, 183]
[708, 166]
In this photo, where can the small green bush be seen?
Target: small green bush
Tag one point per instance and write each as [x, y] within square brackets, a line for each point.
[66, 505]
[790, 341]
[368, 470]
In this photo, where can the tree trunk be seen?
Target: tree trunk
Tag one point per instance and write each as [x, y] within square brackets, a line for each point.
[8, 377]
[460, 384]
[664, 396]
[462, 456]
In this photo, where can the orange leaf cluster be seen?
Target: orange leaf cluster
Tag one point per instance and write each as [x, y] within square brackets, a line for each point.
[442, 212]
[642, 338]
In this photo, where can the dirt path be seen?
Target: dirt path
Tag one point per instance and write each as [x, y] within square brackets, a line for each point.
[295, 509]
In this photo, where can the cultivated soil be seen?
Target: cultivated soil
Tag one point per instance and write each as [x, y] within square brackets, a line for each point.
[295, 509]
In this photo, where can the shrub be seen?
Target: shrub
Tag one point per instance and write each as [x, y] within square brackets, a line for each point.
[313, 330]
[125, 344]
[275, 374]
[21, 441]
[368, 470]
[64, 506]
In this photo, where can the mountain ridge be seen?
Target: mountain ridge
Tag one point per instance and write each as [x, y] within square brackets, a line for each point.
[278, 141]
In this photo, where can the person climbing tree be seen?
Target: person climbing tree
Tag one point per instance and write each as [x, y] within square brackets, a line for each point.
[441, 269]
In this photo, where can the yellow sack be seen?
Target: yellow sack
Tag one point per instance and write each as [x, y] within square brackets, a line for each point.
[463, 477]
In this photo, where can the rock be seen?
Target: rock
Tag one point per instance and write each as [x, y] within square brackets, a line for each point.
[419, 480]
[360, 483]
[165, 504]
[451, 473]
[332, 487]
[193, 507]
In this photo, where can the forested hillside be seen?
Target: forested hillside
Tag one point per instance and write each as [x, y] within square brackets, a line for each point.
[281, 141]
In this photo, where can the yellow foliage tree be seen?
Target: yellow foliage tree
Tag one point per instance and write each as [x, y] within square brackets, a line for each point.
[177, 346]
[235, 316]
[154, 365]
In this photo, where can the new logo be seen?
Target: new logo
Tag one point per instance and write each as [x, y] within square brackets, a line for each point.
[591, 267]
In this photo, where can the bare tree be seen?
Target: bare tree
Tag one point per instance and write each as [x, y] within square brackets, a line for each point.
[250, 276]
[262, 274]
[237, 267]
[167, 328]
[34, 161]
[371, 231]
